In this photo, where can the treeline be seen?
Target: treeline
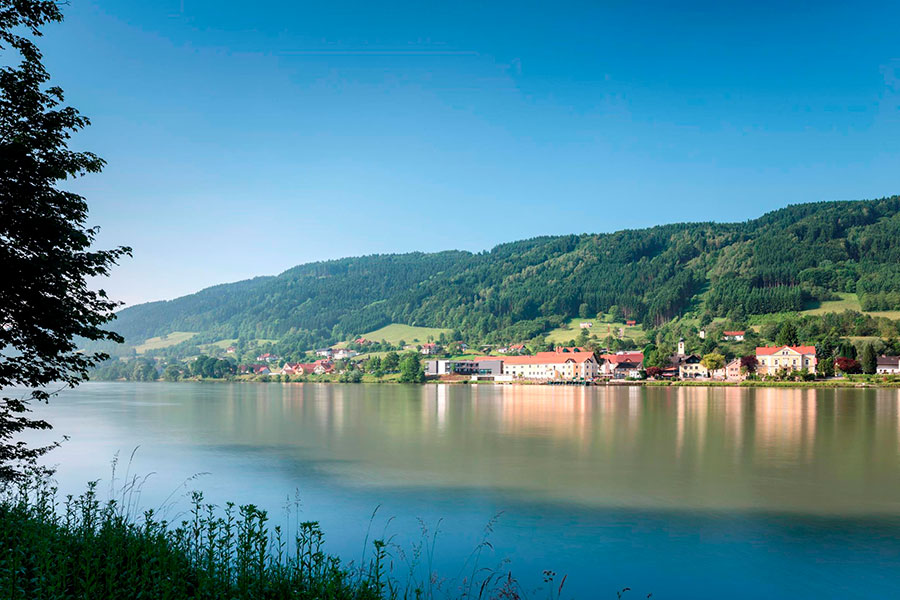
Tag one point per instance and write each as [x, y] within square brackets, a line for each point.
[777, 263]
[148, 369]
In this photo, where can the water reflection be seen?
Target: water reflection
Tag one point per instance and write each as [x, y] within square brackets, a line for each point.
[822, 451]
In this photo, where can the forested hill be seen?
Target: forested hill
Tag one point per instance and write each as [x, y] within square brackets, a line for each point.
[778, 262]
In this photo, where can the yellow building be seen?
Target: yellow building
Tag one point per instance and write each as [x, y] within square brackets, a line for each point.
[771, 359]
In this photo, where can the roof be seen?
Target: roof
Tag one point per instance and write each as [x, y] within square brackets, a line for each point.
[627, 364]
[888, 361]
[617, 358]
[768, 350]
[544, 358]
[733, 332]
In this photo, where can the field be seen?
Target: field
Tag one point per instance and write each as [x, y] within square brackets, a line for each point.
[848, 302]
[221, 344]
[599, 329]
[396, 332]
[164, 341]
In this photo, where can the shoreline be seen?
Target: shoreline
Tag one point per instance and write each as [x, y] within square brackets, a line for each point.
[826, 384]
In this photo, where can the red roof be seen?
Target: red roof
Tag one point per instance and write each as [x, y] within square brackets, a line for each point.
[631, 322]
[635, 357]
[548, 358]
[734, 332]
[767, 350]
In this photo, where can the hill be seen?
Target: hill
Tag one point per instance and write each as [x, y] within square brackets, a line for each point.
[787, 260]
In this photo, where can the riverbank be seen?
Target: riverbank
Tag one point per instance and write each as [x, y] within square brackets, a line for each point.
[92, 549]
[853, 381]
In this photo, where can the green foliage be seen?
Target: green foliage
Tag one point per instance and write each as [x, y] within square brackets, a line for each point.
[519, 291]
[411, 368]
[46, 247]
[95, 550]
[787, 334]
[713, 361]
[867, 359]
[391, 362]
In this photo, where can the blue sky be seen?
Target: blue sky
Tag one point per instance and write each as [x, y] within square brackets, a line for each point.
[244, 138]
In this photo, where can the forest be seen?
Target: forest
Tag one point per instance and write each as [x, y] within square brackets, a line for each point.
[780, 262]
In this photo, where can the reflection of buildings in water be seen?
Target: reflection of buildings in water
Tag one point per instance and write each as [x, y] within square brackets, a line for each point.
[559, 412]
[887, 418]
[436, 406]
[735, 404]
[784, 423]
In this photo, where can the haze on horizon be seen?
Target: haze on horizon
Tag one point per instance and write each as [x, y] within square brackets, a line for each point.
[243, 142]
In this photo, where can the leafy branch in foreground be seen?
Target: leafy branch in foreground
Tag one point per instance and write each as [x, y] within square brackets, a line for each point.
[45, 244]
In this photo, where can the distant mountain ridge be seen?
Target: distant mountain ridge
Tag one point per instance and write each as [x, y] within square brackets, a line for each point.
[777, 262]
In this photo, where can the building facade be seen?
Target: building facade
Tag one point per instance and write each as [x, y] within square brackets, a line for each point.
[771, 359]
[559, 365]
[888, 365]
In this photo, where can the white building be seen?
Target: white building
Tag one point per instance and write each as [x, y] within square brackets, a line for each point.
[559, 365]
[888, 365]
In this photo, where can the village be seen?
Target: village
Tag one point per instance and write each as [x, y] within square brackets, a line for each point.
[579, 365]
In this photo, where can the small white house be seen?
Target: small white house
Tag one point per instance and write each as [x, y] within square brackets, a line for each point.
[888, 365]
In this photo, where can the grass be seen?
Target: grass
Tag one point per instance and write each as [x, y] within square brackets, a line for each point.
[600, 329]
[396, 332]
[164, 341]
[84, 548]
[848, 302]
[221, 344]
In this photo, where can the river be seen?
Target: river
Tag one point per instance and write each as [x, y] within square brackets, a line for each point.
[682, 492]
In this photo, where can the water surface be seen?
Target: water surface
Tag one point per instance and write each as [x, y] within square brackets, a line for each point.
[683, 492]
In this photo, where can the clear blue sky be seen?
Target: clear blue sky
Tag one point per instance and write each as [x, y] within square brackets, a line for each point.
[246, 137]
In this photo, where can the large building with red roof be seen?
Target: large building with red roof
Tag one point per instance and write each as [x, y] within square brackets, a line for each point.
[562, 364]
[771, 359]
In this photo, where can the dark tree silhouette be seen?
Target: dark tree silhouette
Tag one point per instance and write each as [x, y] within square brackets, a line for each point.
[46, 304]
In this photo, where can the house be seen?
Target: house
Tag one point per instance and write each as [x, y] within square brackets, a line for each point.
[771, 359]
[733, 336]
[631, 323]
[551, 366]
[361, 341]
[621, 364]
[323, 366]
[512, 349]
[690, 367]
[230, 350]
[344, 353]
[889, 365]
[701, 334]
[325, 352]
[459, 347]
[585, 324]
[430, 348]
[267, 357]
[733, 370]
[257, 368]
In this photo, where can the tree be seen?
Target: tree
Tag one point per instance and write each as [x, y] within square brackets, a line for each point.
[391, 362]
[867, 359]
[653, 372]
[411, 368]
[713, 361]
[846, 365]
[749, 363]
[45, 244]
[172, 373]
[787, 334]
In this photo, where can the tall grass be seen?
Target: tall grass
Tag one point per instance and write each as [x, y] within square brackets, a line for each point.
[84, 548]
